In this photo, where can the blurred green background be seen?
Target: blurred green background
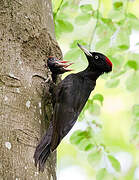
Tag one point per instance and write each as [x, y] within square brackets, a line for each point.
[104, 143]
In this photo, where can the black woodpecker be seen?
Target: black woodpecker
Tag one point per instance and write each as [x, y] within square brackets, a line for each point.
[72, 94]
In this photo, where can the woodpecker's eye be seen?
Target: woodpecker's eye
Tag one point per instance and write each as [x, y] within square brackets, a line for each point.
[96, 57]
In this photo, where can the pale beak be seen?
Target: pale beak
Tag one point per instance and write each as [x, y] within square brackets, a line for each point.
[84, 50]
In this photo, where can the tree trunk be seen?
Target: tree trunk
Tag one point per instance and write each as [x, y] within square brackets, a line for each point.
[26, 40]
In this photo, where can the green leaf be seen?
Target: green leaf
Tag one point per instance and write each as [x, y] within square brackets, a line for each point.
[62, 16]
[93, 108]
[65, 26]
[124, 47]
[105, 30]
[89, 147]
[106, 20]
[76, 137]
[114, 162]
[82, 139]
[97, 14]
[86, 8]
[85, 145]
[116, 15]
[130, 15]
[94, 157]
[135, 110]
[74, 43]
[97, 123]
[82, 19]
[132, 64]
[112, 83]
[133, 21]
[118, 5]
[132, 82]
[101, 174]
[123, 37]
[98, 97]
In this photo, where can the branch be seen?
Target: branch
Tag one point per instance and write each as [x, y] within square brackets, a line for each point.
[55, 14]
[94, 30]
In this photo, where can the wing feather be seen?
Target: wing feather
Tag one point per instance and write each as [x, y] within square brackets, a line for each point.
[71, 97]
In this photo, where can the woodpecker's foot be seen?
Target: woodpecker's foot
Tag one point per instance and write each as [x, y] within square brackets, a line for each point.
[58, 67]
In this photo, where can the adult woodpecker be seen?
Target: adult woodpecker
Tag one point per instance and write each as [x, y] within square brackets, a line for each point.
[71, 95]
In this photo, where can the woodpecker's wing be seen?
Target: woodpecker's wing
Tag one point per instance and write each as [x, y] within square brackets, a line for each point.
[72, 94]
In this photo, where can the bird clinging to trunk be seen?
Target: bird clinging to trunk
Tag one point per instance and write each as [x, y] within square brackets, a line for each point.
[72, 94]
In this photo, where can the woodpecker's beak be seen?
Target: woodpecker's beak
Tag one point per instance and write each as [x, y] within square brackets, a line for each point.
[84, 50]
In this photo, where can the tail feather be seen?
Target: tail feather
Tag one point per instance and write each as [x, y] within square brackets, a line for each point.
[43, 149]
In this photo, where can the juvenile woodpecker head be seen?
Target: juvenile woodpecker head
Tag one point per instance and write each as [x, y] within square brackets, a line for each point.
[97, 61]
[58, 67]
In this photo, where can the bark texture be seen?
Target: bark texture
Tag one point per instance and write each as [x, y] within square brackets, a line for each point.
[26, 40]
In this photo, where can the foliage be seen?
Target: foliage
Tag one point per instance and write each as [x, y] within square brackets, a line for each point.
[109, 34]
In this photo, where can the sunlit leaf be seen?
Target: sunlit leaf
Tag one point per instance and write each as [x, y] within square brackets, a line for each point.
[82, 19]
[82, 139]
[86, 8]
[116, 15]
[65, 26]
[76, 137]
[132, 64]
[98, 97]
[94, 157]
[93, 108]
[112, 83]
[89, 147]
[118, 4]
[101, 174]
[62, 16]
[97, 124]
[105, 30]
[74, 43]
[124, 47]
[106, 20]
[133, 21]
[122, 38]
[114, 162]
[97, 14]
[85, 145]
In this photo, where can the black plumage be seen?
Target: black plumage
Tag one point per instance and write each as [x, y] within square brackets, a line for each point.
[71, 95]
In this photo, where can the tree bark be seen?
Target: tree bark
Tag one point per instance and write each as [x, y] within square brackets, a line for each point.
[26, 40]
